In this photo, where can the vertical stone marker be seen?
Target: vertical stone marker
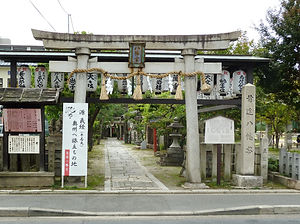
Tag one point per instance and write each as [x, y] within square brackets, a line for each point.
[245, 177]
[264, 149]
[248, 131]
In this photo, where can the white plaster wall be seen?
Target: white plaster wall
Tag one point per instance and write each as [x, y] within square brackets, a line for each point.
[4, 74]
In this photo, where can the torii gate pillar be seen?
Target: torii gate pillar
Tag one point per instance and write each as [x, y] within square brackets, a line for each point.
[83, 55]
[193, 152]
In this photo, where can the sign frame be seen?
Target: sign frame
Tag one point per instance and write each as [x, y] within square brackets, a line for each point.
[212, 131]
[75, 142]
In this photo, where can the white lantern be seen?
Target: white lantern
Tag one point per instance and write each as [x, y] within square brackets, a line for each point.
[144, 83]
[122, 84]
[24, 76]
[239, 80]
[158, 85]
[72, 82]
[91, 82]
[223, 82]
[57, 80]
[209, 80]
[40, 77]
[165, 84]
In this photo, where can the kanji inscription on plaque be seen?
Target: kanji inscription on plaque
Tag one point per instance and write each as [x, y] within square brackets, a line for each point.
[22, 120]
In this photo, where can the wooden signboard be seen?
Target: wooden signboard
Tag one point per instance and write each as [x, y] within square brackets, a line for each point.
[22, 120]
[219, 130]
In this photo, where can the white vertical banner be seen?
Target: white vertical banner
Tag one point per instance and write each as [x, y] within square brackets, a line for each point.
[75, 134]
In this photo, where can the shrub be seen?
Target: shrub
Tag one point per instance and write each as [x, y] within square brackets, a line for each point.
[273, 165]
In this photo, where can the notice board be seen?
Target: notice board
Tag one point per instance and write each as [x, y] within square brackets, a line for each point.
[219, 130]
[22, 120]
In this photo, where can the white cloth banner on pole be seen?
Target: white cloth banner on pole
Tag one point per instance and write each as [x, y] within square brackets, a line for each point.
[75, 134]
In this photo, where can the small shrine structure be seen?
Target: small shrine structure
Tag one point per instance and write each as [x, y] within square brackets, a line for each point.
[24, 136]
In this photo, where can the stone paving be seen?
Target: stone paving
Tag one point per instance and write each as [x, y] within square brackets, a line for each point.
[124, 172]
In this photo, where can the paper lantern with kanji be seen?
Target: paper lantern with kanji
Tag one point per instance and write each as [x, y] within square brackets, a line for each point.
[91, 82]
[122, 84]
[223, 82]
[239, 80]
[24, 76]
[209, 80]
[72, 82]
[40, 77]
[57, 80]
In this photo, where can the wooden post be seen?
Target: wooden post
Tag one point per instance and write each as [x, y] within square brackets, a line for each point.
[214, 165]
[227, 161]
[5, 150]
[219, 148]
[13, 73]
[42, 140]
[203, 161]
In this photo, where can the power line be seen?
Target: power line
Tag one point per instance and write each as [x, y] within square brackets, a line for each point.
[69, 16]
[42, 15]
[62, 7]
[72, 23]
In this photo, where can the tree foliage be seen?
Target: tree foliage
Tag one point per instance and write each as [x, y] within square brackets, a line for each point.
[158, 116]
[280, 37]
[273, 113]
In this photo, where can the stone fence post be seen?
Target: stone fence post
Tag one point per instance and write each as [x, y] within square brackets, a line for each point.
[1, 154]
[264, 149]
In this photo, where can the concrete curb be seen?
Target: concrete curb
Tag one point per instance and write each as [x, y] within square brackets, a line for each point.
[154, 192]
[246, 210]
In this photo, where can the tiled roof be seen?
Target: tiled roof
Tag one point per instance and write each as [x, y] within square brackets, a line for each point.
[7, 64]
[28, 95]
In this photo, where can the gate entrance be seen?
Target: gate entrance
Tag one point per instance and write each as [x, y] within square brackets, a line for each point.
[187, 67]
[133, 68]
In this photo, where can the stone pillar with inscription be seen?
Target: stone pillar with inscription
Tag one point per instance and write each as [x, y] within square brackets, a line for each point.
[248, 130]
[245, 173]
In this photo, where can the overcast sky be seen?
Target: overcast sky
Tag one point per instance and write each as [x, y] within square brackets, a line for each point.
[160, 17]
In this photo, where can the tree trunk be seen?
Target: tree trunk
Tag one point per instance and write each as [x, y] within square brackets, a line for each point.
[92, 119]
[277, 140]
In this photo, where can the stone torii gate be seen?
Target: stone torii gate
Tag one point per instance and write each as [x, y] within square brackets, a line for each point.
[187, 44]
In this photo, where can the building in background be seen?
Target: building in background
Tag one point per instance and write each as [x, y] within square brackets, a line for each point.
[4, 74]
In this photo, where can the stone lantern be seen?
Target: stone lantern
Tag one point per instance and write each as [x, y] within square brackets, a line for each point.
[175, 154]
